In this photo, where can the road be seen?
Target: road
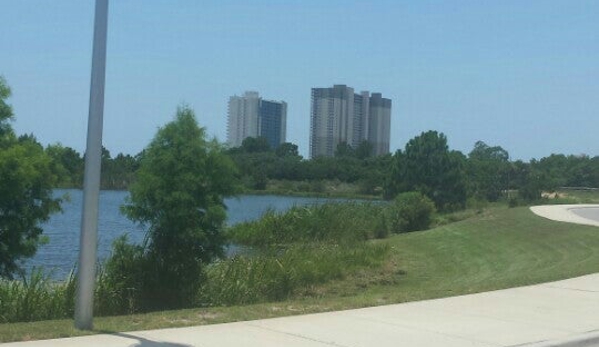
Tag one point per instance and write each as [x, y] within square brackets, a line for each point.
[578, 214]
[589, 213]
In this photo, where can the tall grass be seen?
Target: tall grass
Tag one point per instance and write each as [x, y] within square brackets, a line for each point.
[273, 277]
[297, 249]
[36, 297]
[342, 222]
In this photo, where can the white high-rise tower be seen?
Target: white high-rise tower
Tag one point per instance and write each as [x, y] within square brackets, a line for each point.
[338, 115]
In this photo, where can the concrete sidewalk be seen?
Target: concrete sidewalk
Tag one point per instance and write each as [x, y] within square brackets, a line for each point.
[548, 314]
[565, 213]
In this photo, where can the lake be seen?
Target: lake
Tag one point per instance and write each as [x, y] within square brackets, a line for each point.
[61, 253]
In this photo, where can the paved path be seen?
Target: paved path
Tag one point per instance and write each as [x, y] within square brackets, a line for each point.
[591, 213]
[563, 313]
[579, 214]
[552, 312]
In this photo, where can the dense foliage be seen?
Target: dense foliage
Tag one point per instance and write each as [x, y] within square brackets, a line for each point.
[429, 167]
[178, 194]
[485, 174]
[260, 164]
[26, 182]
[488, 171]
[411, 211]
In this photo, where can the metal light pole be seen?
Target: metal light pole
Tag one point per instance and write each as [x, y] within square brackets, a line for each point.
[84, 303]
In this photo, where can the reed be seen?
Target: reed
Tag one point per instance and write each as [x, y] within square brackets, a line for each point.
[342, 222]
[280, 275]
[36, 297]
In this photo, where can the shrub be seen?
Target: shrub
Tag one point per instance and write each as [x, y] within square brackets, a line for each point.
[121, 281]
[381, 229]
[411, 211]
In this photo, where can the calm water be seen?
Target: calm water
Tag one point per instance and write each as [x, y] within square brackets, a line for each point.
[62, 250]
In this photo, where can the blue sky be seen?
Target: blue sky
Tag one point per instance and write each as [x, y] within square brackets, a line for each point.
[520, 74]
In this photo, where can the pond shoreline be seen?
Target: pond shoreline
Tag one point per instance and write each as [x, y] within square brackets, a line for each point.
[59, 256]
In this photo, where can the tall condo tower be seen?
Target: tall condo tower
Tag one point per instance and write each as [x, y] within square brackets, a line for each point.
[250, 116]
[337, 115]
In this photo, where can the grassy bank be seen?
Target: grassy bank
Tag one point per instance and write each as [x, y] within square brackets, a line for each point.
[290, 253]
[499, 248]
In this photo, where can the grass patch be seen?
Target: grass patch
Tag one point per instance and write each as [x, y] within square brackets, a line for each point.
[495, 249]
[579, 196]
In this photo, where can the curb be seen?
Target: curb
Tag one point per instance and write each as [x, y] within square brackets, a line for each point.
[588, 339]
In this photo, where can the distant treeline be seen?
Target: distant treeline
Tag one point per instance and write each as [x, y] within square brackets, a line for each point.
[484, 173]
[117, 173]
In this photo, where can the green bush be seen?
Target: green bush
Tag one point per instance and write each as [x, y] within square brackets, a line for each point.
[121, 283]
[411, 211]
[381, 229]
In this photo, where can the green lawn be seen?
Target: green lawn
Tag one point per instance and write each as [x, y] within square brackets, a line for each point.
[581, 196]
[499, 248]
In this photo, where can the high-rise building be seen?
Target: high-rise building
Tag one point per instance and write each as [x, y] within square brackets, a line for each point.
[250, 116]
[339, 115]
[379, 123]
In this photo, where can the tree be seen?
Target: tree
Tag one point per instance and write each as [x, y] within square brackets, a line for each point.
[535, 182]
[287, 149]
[68, 164]
[123, 171]
[117, 172]
[364, 150]
[5, 111]
[427, 166]
[344, 150]
[26, 182]
[482, 151]
[488, 169]
[181, 183]
[255, 144]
